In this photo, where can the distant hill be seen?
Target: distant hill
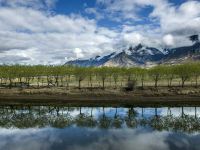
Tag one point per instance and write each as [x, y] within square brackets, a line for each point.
[143, 56]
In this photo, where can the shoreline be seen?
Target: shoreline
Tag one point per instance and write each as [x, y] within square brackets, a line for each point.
[104, 100]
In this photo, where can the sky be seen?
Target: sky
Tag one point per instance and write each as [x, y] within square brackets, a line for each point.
[56, 31]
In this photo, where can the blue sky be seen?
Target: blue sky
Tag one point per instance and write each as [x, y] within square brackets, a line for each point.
[67, 7]
[62, 30]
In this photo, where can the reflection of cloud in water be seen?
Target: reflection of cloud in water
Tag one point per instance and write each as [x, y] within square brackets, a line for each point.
[90, 139]
[127, 140]
[175, 111]
[187, 111]
[28, 139]
[96, 112]
[75, 138]
[147, 112]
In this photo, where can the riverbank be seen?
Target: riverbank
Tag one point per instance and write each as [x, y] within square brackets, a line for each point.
[148, 96]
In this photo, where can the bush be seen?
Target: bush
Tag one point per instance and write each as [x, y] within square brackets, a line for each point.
[131, 85]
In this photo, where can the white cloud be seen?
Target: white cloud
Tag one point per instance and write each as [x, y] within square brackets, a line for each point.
[36, 4]
[54, 37]
[168, 40]
[28, 30]
[128, 9]
[117, 10]
[181, 20]
[170, 22]
[78, 52]
[29, 20]
[133, 38]
[145, 34]
[93, 11]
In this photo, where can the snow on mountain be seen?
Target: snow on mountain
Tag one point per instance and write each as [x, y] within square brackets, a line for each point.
[139, 55]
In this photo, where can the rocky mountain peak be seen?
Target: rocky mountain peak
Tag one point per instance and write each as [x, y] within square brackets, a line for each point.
[140, 55]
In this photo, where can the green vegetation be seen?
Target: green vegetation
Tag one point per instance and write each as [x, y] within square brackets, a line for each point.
[98, 77]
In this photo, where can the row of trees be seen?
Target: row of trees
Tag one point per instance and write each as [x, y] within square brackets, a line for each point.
[64, 75]
[61, 117]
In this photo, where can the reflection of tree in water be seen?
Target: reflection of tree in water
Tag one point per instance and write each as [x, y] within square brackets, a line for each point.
[117, 121]
[143, 121]
[61, 121]
[156, 121]
[130, 119]
[22, 118]
[85, 120]
[187, 123]
[60, 117]
[104, 121]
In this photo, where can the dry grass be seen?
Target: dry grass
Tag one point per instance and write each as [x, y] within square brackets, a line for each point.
[147, 91]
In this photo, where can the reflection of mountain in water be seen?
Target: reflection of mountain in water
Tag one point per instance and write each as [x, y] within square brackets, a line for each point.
[175, 119]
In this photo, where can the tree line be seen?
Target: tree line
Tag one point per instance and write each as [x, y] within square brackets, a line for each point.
[91, 77]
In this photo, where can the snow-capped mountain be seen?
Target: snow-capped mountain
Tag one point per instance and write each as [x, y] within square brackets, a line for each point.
[139, 55]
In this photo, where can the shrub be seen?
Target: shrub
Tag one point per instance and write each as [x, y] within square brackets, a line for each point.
[131, 85]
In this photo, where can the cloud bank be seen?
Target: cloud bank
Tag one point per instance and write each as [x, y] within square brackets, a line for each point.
[31, 32]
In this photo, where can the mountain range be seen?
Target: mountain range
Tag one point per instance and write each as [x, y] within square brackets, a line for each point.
[142, 56]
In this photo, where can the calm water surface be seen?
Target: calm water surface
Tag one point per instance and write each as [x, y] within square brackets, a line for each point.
[99, 128]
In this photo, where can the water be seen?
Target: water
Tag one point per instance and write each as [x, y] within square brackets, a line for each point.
[99, 128]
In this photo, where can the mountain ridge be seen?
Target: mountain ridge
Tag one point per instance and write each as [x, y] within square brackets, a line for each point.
[142, 56]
